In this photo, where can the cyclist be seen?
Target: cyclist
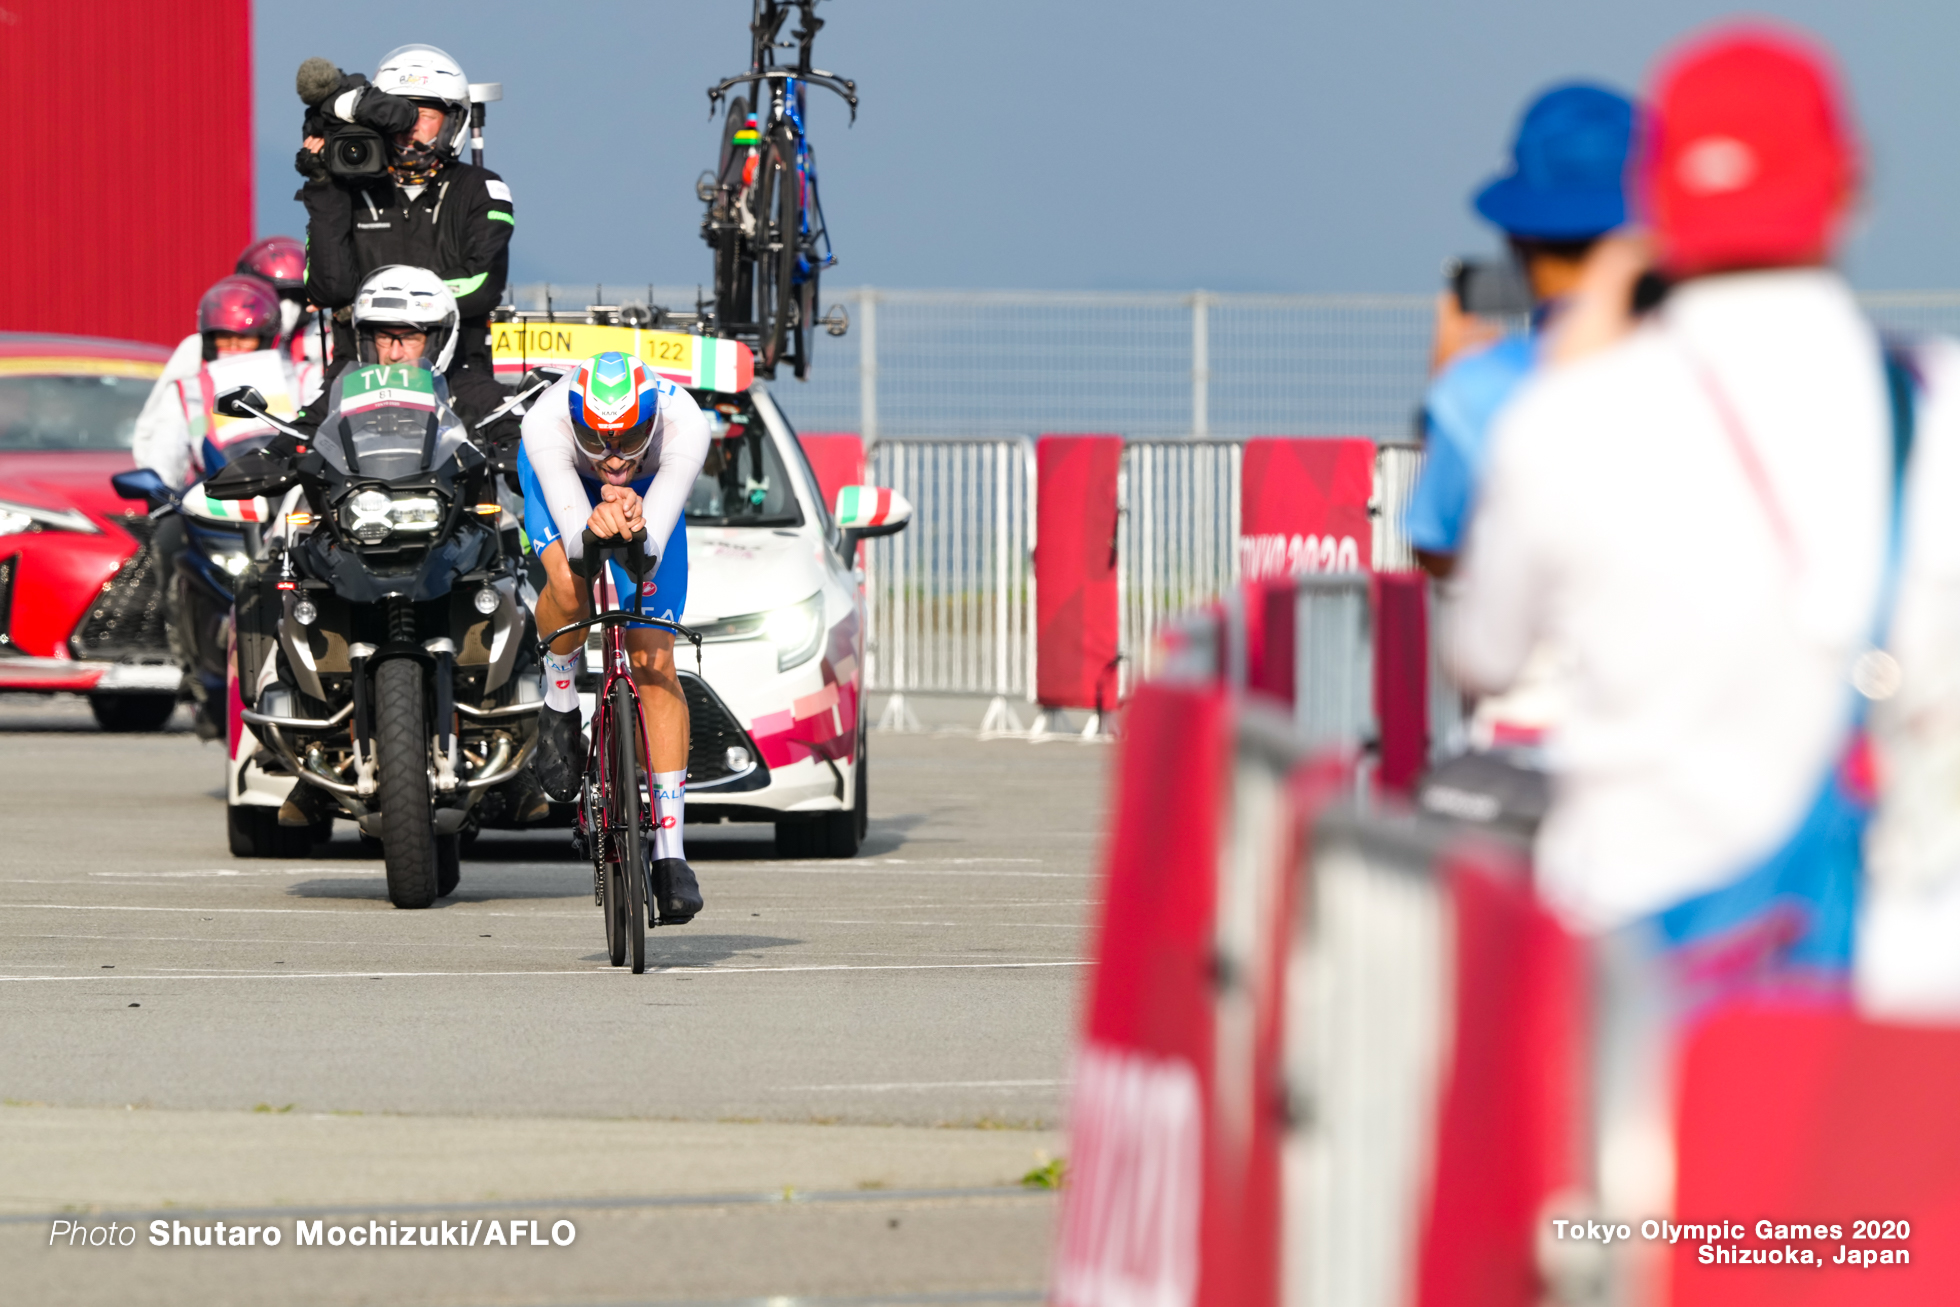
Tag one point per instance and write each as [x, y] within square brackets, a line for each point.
[612, 447]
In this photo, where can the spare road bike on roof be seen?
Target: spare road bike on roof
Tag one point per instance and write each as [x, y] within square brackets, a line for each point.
[615, 814]
[765, 220]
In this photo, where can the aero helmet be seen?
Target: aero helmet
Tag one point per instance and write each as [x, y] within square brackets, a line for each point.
[613, 401]
[401, 296]
[428, 76]
[238, 306]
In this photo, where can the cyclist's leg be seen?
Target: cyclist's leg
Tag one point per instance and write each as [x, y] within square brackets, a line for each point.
[664, 706]
[561, 751]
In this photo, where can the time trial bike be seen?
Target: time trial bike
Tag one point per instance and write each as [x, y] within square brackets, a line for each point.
[614, 822]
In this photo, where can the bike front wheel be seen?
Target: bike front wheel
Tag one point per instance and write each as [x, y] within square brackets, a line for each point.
[627, 888]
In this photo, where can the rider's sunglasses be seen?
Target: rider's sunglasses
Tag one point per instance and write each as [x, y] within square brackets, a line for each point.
[629, 444]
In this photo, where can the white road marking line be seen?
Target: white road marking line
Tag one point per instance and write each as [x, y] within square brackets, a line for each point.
[929, 1084]
[592, 971]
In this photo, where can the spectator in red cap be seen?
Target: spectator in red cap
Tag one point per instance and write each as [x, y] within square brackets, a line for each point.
[1702, 514]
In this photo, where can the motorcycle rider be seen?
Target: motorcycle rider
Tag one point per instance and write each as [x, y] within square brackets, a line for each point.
[429, 210]
[613, 447]
[182, 438]
[402, 315]
[179, 434]
[281, 260]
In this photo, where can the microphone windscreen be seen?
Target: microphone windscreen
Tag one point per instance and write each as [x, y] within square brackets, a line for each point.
[317, 80]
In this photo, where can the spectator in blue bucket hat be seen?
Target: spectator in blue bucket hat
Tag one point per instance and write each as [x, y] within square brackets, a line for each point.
[1563, 191]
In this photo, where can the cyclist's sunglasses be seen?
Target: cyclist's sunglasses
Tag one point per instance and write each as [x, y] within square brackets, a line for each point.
[629, 444]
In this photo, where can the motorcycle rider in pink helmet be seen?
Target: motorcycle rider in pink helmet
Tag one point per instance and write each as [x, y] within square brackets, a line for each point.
[179, 433]
[281, 260]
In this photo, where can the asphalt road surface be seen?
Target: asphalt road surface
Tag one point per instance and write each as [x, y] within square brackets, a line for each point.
[827, 1088]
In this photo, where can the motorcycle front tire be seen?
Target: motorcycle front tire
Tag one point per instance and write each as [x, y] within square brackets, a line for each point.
[401, 753]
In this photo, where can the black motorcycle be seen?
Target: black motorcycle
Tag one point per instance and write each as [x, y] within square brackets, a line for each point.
[383, 655]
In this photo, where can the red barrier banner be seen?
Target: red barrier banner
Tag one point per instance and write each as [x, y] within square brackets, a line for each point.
[1797, 1119]
[837, 458]
[1303, 506]
[1402, 676]
[1510, 1124]
[1075, 570]
[1177, 1114]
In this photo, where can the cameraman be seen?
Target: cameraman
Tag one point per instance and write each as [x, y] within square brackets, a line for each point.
[428, 209]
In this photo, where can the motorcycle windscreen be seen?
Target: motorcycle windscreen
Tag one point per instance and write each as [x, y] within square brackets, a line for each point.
[389, 421]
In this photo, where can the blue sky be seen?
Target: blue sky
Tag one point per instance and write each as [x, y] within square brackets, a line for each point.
[1244, 145]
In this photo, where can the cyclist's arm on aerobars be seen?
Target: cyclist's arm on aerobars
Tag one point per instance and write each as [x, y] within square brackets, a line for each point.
[547, 440]
[683, 432]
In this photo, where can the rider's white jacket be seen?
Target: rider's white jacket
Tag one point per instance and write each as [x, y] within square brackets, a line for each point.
[178, 418]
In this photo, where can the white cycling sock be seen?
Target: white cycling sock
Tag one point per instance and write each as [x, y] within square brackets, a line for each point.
[561, 680]
[669, 811]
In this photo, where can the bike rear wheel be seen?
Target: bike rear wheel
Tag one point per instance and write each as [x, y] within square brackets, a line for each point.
[778, 198]
[626, 817]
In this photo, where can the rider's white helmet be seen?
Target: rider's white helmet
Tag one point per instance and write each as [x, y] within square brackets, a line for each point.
[422, 72]
[401, 296]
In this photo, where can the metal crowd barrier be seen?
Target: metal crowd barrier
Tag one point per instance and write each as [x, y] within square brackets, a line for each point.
[1177, 539]
[1366, 1034]
[950, 600]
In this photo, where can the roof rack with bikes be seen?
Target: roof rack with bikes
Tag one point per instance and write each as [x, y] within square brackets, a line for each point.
[764, 217]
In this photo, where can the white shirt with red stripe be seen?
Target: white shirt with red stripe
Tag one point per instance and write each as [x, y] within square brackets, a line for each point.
[1709, 656]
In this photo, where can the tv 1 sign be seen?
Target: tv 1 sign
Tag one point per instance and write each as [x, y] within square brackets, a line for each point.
[1303, 506]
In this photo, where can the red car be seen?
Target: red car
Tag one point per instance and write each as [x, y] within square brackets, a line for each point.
[79, 608]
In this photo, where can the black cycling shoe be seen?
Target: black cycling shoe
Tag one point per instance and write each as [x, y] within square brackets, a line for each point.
[675, 891]
[560, 762]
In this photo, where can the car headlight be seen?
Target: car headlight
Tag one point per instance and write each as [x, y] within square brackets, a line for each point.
[373, 515]
[796, 631]
[16, 518]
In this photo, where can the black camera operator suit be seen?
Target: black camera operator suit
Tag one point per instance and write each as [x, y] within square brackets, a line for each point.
[457, 224]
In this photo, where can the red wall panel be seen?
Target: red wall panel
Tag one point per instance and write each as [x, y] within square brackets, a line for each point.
[126, 145]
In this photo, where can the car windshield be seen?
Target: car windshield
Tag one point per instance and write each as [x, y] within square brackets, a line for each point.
[389, 421]
[743, 482]
[69, 412]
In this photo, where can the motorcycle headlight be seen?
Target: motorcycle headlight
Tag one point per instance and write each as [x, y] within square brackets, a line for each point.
[233, 561]
[373, 515]
[796, 631]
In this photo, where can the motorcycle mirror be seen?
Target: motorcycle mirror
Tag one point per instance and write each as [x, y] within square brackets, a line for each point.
[241, 402]
[140, 483]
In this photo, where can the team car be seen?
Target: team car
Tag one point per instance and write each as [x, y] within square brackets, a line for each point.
[776, 702]
[80, 608]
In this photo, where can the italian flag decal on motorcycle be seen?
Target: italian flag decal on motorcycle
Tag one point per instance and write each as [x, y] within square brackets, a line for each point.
[396, 385]
[199, 504]
[862, 506]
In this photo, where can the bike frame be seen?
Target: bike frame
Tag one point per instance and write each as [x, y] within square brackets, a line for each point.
[613, 810]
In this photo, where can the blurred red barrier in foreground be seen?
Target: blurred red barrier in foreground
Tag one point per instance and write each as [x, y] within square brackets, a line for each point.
[1815, 1117]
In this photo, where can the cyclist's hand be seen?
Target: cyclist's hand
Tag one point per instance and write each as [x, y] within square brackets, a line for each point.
[618, 513]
